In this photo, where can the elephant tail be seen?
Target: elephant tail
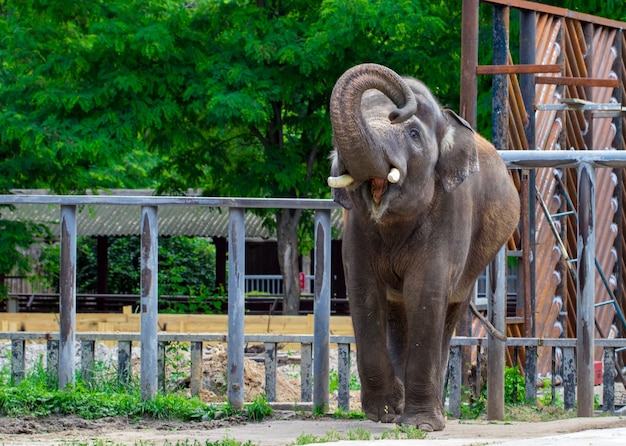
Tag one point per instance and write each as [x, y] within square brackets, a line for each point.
[493, 331]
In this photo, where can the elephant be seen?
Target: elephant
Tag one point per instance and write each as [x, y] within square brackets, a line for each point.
[427, 203]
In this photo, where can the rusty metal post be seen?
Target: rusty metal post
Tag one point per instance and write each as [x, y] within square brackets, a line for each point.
[469, 61]
[321, 310]
[497, 296]
[236, 306]
[496, 347]
[528, 31]
[585, 289]
[149, 301]
[67, 301]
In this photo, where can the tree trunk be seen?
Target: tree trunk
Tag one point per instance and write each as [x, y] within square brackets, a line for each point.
[287, 234]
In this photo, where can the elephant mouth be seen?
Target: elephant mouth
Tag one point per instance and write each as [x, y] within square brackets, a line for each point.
[378, 187]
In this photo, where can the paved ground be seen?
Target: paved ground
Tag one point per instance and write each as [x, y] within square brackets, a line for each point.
[290, 429]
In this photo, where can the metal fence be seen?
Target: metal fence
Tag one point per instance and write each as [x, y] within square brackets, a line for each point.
[579, 369]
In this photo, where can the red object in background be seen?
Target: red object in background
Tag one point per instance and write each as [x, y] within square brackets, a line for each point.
[302, 280]
[597, 373]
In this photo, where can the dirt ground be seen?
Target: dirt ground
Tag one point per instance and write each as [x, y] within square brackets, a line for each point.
[285, 427]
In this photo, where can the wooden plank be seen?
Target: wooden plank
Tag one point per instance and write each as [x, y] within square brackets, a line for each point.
[561, 12]
[172, 323]
[577, 81]
[518, 69]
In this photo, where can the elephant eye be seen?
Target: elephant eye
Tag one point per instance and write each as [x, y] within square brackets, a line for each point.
[414, 134]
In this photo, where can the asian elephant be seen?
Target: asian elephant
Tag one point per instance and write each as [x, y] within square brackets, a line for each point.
[428, 203]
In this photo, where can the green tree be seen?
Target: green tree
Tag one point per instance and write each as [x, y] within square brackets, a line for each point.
[227, 96]
[269, 74]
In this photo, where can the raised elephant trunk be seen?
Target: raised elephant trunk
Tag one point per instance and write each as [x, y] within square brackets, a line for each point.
[359, 152]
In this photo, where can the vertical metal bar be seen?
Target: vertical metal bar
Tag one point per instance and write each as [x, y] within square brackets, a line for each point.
[124, 351]
[585, 289]
[87, 353]
[343, 375]
[270, 371]
[569, 378]
[18, 347]
[67, 301]
[52, 361]
[306, 372]
[500, 82]
[608, 380]
[528, 31]
[236, 306]
[149, 301]
[496, 347]
[455, 381]
[196, 368]
[469, 61]
[321, 310]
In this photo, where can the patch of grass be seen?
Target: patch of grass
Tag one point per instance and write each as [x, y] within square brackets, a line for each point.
[534, 413]
[351, 414]
[403, 433]
[259, 408]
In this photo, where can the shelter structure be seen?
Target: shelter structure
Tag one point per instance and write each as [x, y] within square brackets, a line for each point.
[558, 83]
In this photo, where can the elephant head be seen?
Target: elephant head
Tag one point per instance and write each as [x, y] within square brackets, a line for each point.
[393, 142]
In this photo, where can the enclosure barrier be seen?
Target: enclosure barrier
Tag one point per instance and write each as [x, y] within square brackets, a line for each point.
[271, 343]
[584, 161]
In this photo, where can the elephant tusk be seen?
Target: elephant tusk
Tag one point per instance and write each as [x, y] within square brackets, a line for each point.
[344, 180]
[394, 175]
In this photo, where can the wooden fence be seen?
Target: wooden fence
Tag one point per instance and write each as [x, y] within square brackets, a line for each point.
[565, 348]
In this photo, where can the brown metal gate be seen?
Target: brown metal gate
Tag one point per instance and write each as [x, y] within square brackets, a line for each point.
[558, 85]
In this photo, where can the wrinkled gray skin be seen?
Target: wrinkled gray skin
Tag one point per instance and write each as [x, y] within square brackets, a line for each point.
[412, 250]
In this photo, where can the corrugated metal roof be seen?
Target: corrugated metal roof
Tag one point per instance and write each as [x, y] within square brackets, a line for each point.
[120, 220]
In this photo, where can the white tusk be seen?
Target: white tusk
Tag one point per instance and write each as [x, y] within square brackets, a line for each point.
[340, 181]
[394, 175]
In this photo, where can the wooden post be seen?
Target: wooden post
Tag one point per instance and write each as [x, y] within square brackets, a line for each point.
[149, 307]
[236, 306]
[496, 347]
[343, 376]
[270, 370]
[585, 289]
[306, 372]
[321, 309]
[67, 300]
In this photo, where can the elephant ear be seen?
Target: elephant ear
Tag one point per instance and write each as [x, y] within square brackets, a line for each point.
[458, 157]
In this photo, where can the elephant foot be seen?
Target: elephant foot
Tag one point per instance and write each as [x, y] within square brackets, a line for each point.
[386, 407]
[424, 422]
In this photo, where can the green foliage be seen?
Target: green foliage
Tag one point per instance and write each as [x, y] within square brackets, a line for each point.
[186, 268]
[473, 407]
[15, 239]
[514, 385]
[355, 383]
[259, 408]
